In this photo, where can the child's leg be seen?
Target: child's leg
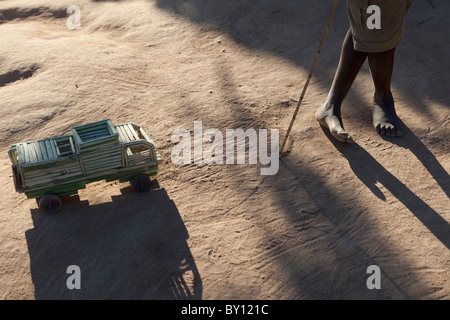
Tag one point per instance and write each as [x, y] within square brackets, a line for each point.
[385, 119]
[329, 114]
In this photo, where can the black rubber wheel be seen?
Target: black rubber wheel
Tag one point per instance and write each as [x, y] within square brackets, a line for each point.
[50, 204]
[141, 183]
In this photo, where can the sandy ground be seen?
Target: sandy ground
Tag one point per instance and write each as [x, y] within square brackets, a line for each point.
[225, 231]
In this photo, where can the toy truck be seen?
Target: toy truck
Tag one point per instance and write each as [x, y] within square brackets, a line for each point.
[50, 169]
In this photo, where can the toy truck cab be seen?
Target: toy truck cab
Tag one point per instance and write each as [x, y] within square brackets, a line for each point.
[57, 167]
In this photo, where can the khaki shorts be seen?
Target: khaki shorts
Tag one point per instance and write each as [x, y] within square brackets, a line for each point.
[393, 13]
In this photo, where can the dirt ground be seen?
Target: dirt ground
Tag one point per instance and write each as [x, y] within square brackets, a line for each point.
[225, 231]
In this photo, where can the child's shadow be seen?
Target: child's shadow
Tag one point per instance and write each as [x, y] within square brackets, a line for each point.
[369, 171]
[428, 160]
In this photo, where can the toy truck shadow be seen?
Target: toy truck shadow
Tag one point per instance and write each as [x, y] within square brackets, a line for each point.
[50, 169]
[134, 247]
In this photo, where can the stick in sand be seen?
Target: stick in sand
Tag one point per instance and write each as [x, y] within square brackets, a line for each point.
[310, 76]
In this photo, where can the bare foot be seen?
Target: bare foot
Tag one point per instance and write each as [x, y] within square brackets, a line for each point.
[385, 119]
[328, 117]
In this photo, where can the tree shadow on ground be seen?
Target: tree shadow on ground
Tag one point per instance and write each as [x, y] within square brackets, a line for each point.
[293, 29]
[349, 247]
[131, 248]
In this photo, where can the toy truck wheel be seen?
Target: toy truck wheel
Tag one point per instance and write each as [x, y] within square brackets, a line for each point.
[141, 183]
[50, 204]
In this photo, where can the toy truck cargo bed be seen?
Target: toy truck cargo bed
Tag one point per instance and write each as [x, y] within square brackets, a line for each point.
[96, 151]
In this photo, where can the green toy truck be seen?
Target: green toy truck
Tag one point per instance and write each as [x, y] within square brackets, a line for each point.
[50, 169]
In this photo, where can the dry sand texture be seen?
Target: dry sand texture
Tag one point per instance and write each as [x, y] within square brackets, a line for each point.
[224, 231]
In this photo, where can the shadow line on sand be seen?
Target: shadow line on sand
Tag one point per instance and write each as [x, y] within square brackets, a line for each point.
[343, 235]
[370, 171]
